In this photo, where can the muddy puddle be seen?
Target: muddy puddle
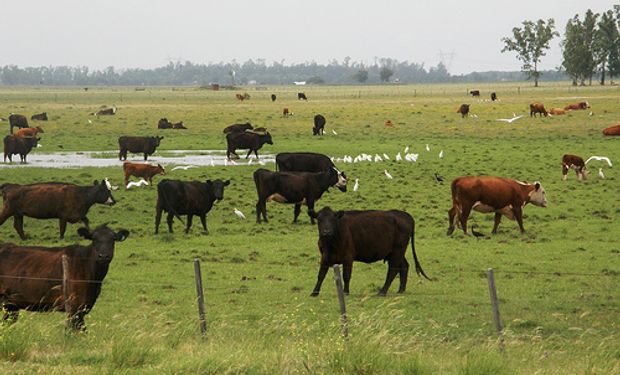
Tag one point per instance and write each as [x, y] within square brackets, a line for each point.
[80, 159]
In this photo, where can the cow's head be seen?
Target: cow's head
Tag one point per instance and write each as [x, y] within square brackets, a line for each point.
[537, 196]
[157, 140]
[39, 129]
[103, 194]
[217, 187]
[341, 183]
[267, 138]
[328, 224]
[103, 241]
[160, 170]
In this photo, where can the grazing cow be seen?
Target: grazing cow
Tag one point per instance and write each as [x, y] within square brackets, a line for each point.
[238, 128]
[474, 92]
[137, 145]
[303, 162]
[18, 145]
[577, 106]
[537, 108]
[285, 112]
[319, 125]
[294, 187]
[612, 130]
[557, 111]
[246, 140]
[142, 170]
[301, 96]
[243, 97]
[29, 132]
[493, 96]
[67, 202]
[492, 194]
[574, 162]
[273, 97]
[463, 110]
[19, 121]
[163, 123]
[187, 198]
[366, 236]
[105, 112]
[39, 116]
[31, 277]
[178, 125]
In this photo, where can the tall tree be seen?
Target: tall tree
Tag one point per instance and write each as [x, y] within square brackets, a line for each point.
[578, 48]
[530, 44]
[385, 73]
[606, 43]
[361, 76]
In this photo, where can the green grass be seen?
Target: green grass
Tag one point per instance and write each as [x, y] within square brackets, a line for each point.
[557, 283]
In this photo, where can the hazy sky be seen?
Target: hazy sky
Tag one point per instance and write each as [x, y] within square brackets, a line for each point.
[149, 33]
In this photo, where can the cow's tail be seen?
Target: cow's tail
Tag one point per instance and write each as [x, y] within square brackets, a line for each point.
[418, 267]
[162, 193]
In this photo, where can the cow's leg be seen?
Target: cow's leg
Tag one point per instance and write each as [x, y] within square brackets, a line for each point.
[393, 269]
[18, 224]
[347, 267]
[146, 156]
[6, 212]
[296, 212]
[10, 313]
[63, 227]
[451, 216]
[157, 217]
[190, 217]
[203, 221]
[256, 154]
[261, 209]
[465, 210]
[126, 179]
[311, 213]
[404, 271]
[518, 211]
[564, 172]
[498, 218]
[76, 321]
[319, 279]
[169, 220]
[248, 155]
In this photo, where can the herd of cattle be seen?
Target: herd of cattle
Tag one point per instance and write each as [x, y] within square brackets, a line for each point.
[31, 276]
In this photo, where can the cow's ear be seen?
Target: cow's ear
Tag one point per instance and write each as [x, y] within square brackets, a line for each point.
[227, 182]
[103, 183]
[84, 232]
[339, 214]
[209, 182]
[121, 235]
[537, 185]
[95, 182]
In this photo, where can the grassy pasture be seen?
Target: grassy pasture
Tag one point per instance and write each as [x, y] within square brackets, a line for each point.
[557, 283]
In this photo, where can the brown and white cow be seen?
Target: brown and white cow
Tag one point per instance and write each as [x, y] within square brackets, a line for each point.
[577, 106]
[503, 196]
[146, 171]
[574, 162]
[537, 108]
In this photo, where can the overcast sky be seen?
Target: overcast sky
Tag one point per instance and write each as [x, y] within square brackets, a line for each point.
[149, 33]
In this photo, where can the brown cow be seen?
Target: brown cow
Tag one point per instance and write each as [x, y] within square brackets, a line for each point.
[243, 97]
[577, 106]
[537, 108]
[105, 112]
[31, 277]
[142, 170]
[492, 194]
[29, 132]
[178, 125]
[285, 112]
[557, 111]
[463, 110]
[574, 162]
[612, 130]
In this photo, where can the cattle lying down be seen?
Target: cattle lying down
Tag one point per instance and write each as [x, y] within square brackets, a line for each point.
[303, 162]
[191, 198]
[67, 202]
[39, 116]
[612, 130]
[574, 162]
[294, 187]
[105, 112]
[366, 236]
[577, 106]
[142, 170]
[14, 145]
[31, 277]
[502, 196]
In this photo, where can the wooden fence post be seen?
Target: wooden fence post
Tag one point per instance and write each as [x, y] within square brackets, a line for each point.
[65, 292]
[201, 298]
[343, 310]
[495, 305]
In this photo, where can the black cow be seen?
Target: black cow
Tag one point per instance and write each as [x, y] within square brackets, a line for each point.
[163, 123]
[463, 110]
[273, 97]
[238, 128]
[67, 202]
[137, 145]
[187, 198]
[319, 125]
[303, 162]
[39, 116]
[18, 145]
[247, 140]
[294, 187]
[366, 236]
[19, 121]
[301, 95]
[31, 277]
[475, 92]
[493, 96]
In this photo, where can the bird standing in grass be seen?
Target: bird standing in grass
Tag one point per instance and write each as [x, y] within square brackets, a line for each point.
[387, 174]
[357, 184]
[601, 175]
[239, 214]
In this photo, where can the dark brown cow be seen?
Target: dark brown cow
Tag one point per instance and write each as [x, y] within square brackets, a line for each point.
[67, 202]
[502, 196]
[303, 162]
[142, 170]
[238, 128]
[178, 125]
[105, 112]
[29, 132]
[319, 125]
[247, 140]
[243, 97]
[18, 145]
[137, 145]
[39, 116]
[493, 96]
[463, 110]
[285, 112]
[612, 130]
[574, 162]
[366, 236]
[294, 187]
[577, 106]
[19, 121]
[191, 198]
[273, 97]
[163, 123]
[475, 92]
[301, 96]
[537, 108]
[31, 277]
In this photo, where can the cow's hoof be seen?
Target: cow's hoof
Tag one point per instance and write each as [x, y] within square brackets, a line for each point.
[450, 230]
[314, 294]
[381, 293]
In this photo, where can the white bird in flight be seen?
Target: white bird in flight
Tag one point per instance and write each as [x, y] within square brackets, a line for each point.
[333, 131]
[239, 214]
[385, 156]
[427, 148]
[137, 184]
[387, 174]
[441, 154]
[407, 149]
[109, 185]
[357, 184]
[604, 158]
[601, 174]
[90, 122]
[184, 167]
[510, 120]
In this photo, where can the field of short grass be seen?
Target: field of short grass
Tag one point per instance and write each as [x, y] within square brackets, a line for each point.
[557, 283]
